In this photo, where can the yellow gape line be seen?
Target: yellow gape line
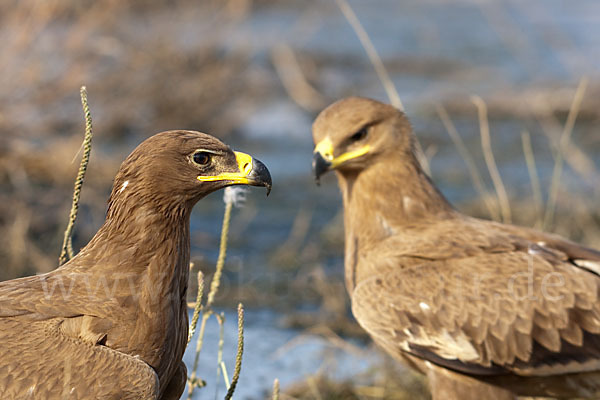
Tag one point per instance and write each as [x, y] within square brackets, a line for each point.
[325, 148]
[244, 162]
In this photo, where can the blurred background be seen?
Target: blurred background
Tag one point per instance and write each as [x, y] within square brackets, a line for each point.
[255, 73]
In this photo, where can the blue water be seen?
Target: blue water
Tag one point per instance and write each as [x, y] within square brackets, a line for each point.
[271, 353]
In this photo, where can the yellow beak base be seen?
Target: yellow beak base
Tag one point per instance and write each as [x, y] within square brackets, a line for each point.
[250, 172]
[325, 149]
[244, 162]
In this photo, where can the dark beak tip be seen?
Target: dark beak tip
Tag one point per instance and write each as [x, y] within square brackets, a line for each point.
[320, 166]
[261, 175]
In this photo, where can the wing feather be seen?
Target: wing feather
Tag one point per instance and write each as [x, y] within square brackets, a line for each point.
[60, 293]
[498, 303]
[58, 366]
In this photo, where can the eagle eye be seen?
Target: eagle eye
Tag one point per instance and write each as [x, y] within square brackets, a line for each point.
[360, 135]
[201, 158]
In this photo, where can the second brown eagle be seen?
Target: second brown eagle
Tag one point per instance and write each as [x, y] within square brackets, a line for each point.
[486, 310]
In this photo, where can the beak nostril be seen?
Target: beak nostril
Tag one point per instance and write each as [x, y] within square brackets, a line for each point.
[246, 166]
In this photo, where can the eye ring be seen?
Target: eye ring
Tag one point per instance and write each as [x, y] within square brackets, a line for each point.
[360, 135]
[201, 158]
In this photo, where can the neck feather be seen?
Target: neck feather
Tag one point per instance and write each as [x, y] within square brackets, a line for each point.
[393, 188]
[143, 237]
[386, 197]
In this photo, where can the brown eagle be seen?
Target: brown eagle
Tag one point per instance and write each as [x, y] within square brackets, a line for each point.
[486, 310]
[112, 322]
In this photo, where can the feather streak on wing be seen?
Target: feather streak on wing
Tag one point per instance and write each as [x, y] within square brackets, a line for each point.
[514, 317]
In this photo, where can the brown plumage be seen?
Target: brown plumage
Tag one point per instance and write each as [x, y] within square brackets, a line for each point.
[486, 310]
[112, 322]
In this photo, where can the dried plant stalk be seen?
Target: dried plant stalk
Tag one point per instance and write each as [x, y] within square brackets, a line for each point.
[533, 177]
[491, 205]
[66, 252]
[565, 137]
[230, 199]
[484, 129]
[197, 306]
[275, 389]
[240, 352]
[381, 71]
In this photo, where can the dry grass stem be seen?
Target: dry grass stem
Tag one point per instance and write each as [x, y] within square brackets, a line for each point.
[216, 280]
[275, 389]
[382, 73]
[488, 199]
[220, 364]
[533, 177]
[193, 382]
[223, 368]
[66, 252]
[577, 159]
[197, 306]
[240, 352]
[490, 161]
[365, 40]
[293, 79]
[565, 138]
